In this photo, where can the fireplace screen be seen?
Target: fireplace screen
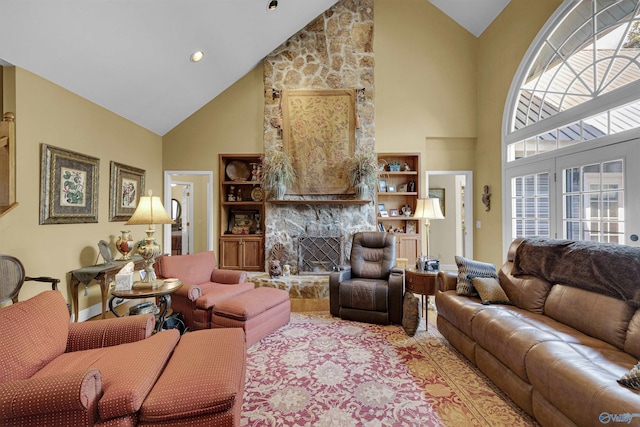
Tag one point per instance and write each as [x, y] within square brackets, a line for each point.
[319, 255]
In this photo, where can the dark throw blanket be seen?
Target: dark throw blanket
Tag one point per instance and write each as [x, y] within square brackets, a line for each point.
[604, 268]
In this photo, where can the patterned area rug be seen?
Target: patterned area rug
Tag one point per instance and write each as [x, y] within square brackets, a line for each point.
[322, 371]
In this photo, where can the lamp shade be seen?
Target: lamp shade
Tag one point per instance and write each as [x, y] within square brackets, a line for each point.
[428, 209]
[149, 211]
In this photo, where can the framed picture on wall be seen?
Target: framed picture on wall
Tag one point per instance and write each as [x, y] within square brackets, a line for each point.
[126, 187]
[411, 226]
[68, 186]
[438, 193]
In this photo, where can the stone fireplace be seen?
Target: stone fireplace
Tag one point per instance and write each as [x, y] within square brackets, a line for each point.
[321, 233]
[335, 51]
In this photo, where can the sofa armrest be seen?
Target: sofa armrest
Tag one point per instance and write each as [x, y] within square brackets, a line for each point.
[109, 332]
[190, 292]
[447, 281]
[335, 278]
[65, 392]
[228, 277]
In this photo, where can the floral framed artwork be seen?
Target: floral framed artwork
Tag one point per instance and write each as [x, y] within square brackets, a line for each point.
[68, 186]
[127, 185]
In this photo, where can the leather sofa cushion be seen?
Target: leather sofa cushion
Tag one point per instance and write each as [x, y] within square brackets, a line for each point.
[582, 380]
[460, 310]
[509, 334]
[373, 254]
[526, 292]
[632, 342]
[124, 385]
[364, 294]
[597, 315]
[191, 269]
[34, 332]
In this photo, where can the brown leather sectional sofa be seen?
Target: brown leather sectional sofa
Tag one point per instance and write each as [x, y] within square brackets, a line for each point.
[559, 349]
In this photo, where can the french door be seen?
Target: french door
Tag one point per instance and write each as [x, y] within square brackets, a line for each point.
[591, 195]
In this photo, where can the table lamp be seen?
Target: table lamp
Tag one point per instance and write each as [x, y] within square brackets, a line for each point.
[428, 209]
[149, 211]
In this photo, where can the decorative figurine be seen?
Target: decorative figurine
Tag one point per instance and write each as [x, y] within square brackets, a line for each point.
[274, 268]
[231, 196]
[486, 198]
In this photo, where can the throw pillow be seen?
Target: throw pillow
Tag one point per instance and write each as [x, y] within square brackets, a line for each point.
[490, 290]
[632, 378]
[410, 313]
[468, 267]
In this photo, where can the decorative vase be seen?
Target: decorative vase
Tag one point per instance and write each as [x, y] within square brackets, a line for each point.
[124, 244]
[280, 190]
[361, 190]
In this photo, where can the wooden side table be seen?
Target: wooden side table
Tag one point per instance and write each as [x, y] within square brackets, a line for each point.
[421, 282]
[161, 293]
[103, 274]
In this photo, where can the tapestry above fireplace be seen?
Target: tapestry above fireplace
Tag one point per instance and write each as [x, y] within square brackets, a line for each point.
[319, 135]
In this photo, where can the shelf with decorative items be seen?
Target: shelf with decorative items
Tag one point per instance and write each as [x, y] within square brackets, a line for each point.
[241, 203]
[397, 193]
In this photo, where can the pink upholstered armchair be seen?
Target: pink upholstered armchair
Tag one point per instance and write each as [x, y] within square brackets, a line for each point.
[203, 285]
[112, 372]
[58, 373]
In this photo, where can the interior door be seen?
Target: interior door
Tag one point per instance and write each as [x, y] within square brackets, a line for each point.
[598, 194]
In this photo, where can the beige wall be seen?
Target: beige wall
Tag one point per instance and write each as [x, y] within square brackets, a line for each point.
[46, 113]
[231, 123]
[500, 52]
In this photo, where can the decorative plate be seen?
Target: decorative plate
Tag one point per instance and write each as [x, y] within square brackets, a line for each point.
[256, 194]
[238, 171]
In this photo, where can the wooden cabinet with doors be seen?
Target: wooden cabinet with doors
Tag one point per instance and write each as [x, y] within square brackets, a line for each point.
[396, 198]
[241, 201]
[242, 253]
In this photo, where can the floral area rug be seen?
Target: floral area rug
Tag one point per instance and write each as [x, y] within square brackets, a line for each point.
[323, 371]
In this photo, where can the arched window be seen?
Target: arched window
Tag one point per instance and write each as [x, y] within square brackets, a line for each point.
[577, 88]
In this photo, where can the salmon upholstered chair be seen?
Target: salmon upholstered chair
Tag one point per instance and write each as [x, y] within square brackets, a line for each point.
[113, 371]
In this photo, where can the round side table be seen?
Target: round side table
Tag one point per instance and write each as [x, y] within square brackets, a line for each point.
[162, 294]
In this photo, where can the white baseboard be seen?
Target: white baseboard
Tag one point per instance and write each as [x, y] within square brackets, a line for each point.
[94, 310]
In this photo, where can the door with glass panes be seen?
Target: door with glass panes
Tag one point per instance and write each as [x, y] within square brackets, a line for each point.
[593, 195]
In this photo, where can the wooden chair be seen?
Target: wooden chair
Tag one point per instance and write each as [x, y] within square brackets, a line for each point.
[12, 277]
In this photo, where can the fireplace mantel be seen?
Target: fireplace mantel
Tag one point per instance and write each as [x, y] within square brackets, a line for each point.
[320, 202]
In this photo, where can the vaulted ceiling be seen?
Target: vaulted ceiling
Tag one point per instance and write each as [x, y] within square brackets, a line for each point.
[133, 57]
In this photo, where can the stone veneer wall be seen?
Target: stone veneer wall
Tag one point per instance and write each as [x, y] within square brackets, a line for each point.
[335, 51]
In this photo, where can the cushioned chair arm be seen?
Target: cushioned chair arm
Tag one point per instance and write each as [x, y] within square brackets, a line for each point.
[335, 277]
[108, 332]
[191, 292]
[228, 277]
[396, 294]
[65, 392]
[447, 281]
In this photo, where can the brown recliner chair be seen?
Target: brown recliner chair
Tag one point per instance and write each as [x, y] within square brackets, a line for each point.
[371, 288]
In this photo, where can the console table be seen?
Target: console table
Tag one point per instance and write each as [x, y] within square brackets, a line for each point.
[103, 274]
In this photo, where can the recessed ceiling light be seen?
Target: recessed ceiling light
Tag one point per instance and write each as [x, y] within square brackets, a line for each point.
[197, 56]
[272, 5]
